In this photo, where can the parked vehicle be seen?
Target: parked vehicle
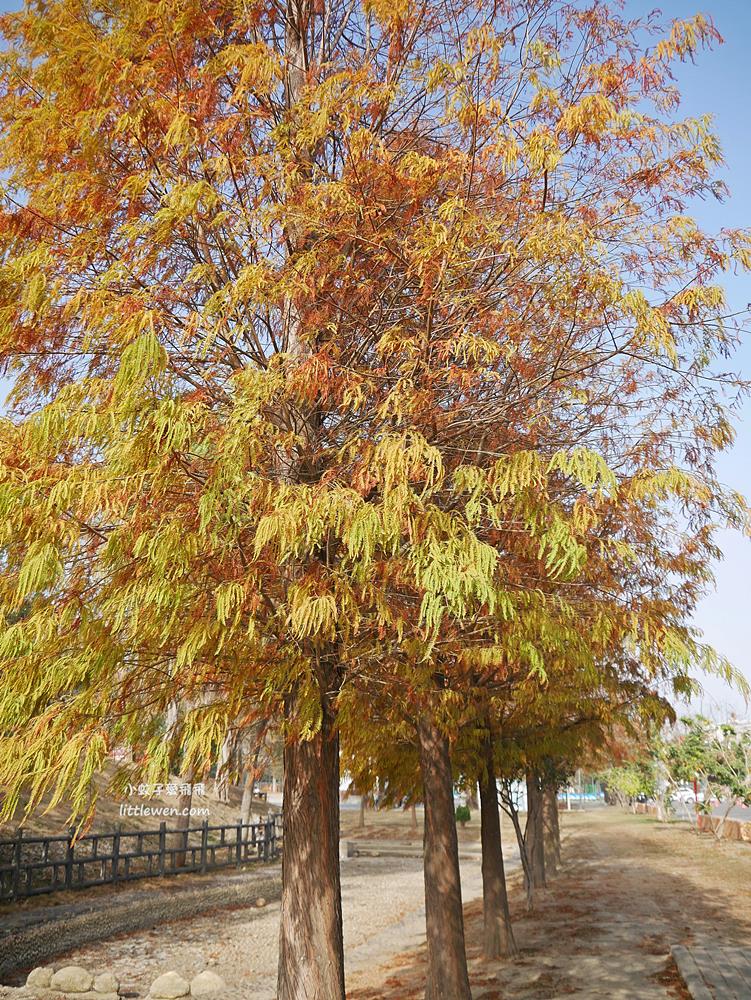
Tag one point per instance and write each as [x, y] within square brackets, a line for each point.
[685, 793]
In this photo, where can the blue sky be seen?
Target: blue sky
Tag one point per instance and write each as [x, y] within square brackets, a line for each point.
[718, 84]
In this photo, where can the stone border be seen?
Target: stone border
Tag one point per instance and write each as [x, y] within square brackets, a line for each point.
[733, 829]
[75, 982]
[28, 948]
[689, 972]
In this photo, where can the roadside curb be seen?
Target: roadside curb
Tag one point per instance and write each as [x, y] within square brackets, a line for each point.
[689, 972]
[394, 849]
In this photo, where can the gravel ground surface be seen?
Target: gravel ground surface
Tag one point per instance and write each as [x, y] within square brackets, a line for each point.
[93, 917]
[383, 915]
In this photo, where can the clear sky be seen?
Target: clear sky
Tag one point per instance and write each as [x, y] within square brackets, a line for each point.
[719, 84]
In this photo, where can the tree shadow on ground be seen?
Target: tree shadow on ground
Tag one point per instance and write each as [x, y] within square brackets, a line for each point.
[604, 926]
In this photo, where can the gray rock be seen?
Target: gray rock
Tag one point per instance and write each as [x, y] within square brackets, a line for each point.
[168, 986]
[41, 976]
[72, 979]
[207, 984]
[106, 982]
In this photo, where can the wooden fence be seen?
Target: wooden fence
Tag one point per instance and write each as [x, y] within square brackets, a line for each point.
[30, 866]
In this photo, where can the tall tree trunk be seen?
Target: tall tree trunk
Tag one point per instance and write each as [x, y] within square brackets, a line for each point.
[534, 834]
[447, 977]
[551, 831]
[498, 936]
[311, 951]
[251, 776]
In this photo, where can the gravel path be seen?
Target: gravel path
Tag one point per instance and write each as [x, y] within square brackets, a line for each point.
[382, 898]
[45, 932]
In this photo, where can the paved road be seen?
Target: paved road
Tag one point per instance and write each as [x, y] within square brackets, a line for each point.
[737, 812]
[686, 809]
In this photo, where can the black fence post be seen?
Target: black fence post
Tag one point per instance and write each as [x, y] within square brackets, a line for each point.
[69, 858]
[184, 849]
[17, 857]
[116, 854]
[204, 845]
[239, 843]
[162, 846]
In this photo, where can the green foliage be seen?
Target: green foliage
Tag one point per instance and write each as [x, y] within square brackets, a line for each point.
[717, 755]
[630, 780]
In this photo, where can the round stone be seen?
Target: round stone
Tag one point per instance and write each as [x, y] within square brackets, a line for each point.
[41, 976]
[106, 982]
[260, 902]
[207, 984]
[72, 979]
[169, 986]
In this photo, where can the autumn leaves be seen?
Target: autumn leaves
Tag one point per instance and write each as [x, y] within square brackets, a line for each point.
[362, 364]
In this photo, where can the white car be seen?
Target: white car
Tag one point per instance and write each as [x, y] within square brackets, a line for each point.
[685, 793]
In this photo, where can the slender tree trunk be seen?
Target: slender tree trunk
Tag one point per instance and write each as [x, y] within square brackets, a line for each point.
[182, 821]
[718, 830]
[221, 782]
[447, 977]
[311, 952]
[246, 805]
[533, 834]
[361, 823]
[498, 935]
[414, 817]
[551, 830]
[509, 807]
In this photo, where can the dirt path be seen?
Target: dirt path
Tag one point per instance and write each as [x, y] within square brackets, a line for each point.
[629, 888]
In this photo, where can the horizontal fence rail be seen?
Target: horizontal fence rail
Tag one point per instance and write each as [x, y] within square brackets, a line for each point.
[31, 866]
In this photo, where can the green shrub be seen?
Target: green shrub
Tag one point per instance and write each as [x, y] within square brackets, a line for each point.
[463, 814]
